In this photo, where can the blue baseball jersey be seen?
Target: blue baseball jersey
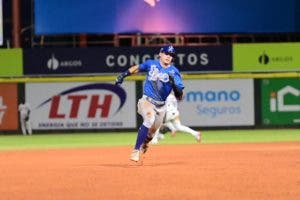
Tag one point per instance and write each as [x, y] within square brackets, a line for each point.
[157, 85]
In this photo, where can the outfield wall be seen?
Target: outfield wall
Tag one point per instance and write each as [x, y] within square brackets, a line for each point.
[213, 59]
[243, 85]
[208, 103]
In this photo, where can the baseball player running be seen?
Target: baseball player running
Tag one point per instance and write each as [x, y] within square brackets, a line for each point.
[161, 78]
[172, 122]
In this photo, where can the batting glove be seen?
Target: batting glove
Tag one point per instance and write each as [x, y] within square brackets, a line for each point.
[120, 78]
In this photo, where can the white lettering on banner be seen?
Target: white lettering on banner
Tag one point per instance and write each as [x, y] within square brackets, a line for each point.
[82, 125]
[193, 59]
[277, 102]
[53, 63]
[2, 109]
[122, 60]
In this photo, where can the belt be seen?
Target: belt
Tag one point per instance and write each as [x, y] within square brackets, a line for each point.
[154, 102]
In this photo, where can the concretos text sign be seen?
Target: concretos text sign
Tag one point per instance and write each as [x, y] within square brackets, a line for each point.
[81, 105]
[112, 60]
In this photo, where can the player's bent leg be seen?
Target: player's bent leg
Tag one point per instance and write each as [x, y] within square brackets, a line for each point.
[186, 129]
[145, 144]
[148, 114]
[155, 137]
[149, 138]
[142, 135]
[170, 125]
[159, 115]
[28, 127]
[23, 128]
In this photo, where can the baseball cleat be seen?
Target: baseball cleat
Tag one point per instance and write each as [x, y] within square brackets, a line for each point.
[135, 155]
[198, 137]
[160, 136]
[154, 141]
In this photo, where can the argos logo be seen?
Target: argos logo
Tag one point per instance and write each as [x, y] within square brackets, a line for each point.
[74, 102]
[53, 63]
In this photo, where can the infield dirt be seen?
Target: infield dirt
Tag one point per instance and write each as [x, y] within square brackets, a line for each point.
[200, 171]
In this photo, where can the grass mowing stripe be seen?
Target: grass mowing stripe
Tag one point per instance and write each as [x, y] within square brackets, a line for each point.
[245, 136]
[237, 136]
[46, 141]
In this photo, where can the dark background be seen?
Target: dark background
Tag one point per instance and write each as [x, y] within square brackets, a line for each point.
[28, 39]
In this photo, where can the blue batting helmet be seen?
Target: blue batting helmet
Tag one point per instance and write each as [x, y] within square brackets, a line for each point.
[168, 50]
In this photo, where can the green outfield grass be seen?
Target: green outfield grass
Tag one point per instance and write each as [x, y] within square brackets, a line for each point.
[48, 141]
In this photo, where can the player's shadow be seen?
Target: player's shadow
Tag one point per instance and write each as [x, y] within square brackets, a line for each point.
[139, 164]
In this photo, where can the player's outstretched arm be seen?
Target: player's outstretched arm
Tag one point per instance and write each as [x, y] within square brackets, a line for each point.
[132, 70]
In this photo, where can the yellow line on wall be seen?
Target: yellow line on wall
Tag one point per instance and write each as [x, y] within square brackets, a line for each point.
[106, 78]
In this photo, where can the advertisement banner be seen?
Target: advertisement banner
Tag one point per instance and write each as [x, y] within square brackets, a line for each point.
[8, 107]
[164, 16]
[266, 57]
[212, 103]
[113, 59]
[81, 105]
[280, 101]
[11, 63]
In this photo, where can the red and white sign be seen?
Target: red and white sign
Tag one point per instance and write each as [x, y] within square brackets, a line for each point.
[81, 105]
[8, 107]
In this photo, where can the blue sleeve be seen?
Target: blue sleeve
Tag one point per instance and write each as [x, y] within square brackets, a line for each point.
[178, 80]
[144, 66]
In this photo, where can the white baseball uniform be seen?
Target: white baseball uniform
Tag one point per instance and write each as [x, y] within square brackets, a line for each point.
[172, 121]
[24, 110]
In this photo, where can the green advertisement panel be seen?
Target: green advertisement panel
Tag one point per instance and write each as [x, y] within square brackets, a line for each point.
[11, 62]
[280, 100]
[266, 57]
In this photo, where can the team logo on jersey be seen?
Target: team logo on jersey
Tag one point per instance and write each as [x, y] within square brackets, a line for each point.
[151, 3]
[155, 74]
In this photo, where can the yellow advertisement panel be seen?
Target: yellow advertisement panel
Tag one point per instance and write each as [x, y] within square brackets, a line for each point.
[266, 57]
